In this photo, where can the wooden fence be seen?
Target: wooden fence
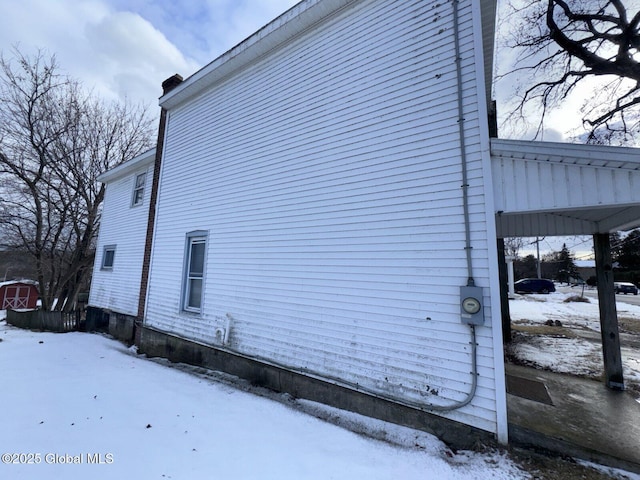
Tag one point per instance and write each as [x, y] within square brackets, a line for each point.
[49, 321]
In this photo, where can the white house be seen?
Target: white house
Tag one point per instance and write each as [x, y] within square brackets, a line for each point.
[322, 184]
[328, 209]
[115, 284]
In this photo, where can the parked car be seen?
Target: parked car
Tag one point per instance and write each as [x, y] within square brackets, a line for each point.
[625, 287]
[534, 285]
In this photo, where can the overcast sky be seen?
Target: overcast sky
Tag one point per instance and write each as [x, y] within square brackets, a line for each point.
[127, 48]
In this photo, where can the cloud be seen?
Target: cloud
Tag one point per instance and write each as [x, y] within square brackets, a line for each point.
[116, 54]
[126, 48]
[205, 29]
[208, 28]
[131, 56]
[231, 21]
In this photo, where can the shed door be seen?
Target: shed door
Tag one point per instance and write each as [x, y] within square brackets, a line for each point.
[16, 297]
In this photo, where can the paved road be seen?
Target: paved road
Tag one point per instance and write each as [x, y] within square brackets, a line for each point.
[620, 297]
[632, 299]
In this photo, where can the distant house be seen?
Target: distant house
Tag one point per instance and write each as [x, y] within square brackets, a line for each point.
[115, 285]
[329, 209]
[586, 269]
[18, 295]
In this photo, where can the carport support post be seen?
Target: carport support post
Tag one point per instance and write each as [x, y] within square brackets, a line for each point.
[608, 313]
[504, 294]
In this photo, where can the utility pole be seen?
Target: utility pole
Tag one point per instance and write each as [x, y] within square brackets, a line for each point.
[538, 256]
[537, 242]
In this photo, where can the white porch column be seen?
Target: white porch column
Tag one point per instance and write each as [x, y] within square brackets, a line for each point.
[510, 275]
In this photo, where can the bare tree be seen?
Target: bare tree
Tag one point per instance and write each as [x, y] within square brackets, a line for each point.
[54, 142]
[512, 246]
[562, 44]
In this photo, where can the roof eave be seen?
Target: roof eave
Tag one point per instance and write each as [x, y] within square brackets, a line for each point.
[129, 166]
[282, 30]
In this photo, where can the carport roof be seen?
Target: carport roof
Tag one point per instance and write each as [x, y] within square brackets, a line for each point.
[548, 188]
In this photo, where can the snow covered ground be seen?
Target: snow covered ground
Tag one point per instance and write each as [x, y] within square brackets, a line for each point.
[79, 406]
[575, 347]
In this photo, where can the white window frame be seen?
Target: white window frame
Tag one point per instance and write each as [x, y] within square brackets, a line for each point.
[105, 250]
[189, 277]
[137, 197]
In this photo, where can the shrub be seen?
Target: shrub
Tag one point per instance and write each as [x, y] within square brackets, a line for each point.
[576, 298]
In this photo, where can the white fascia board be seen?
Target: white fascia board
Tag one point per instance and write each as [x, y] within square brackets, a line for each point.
[483, 13]
[488, 19]
[128, 167]
[573, 153]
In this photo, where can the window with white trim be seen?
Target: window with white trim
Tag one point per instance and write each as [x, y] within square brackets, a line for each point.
[194, 271]
[138, 189]
[108, 257]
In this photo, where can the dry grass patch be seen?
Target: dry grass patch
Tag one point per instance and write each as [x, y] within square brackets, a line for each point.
[629, 325]
[576, 298]
[547, 330]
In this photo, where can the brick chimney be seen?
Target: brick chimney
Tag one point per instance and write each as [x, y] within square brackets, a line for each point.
[168, 85]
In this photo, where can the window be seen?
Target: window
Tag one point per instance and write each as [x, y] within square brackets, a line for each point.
[194, 271]
[138, 190]
[108, 256]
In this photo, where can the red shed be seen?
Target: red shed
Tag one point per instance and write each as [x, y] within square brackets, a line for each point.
[18, 294]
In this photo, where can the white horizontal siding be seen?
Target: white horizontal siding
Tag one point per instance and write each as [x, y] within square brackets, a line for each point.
[125, 227]
[328, 178]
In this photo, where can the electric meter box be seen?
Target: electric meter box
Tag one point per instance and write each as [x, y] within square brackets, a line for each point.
[471, 308]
